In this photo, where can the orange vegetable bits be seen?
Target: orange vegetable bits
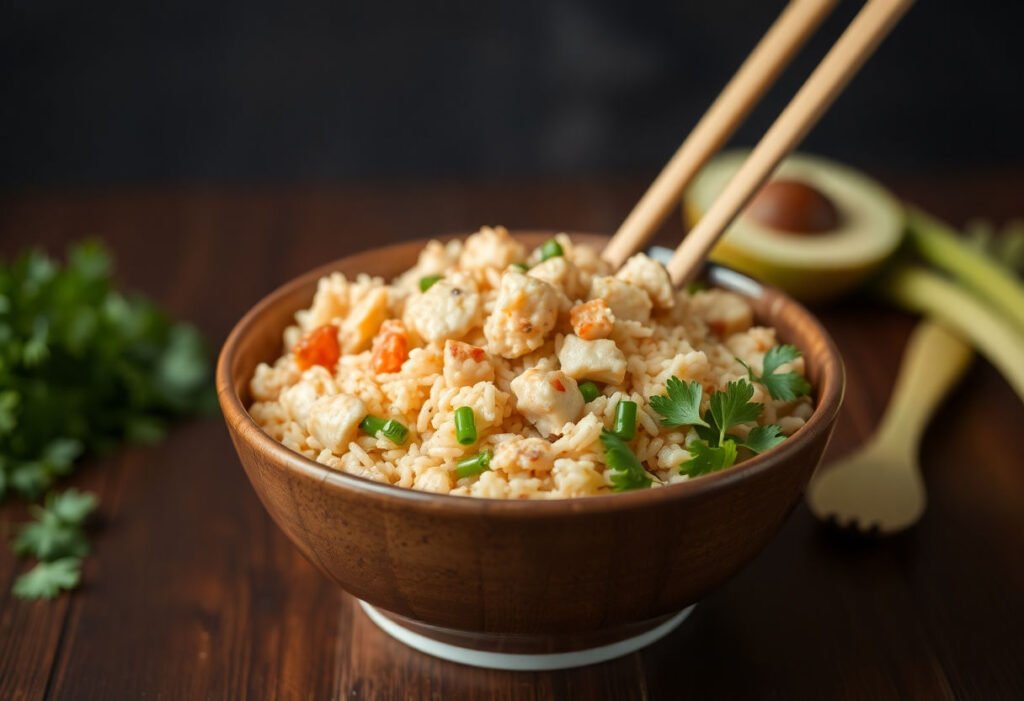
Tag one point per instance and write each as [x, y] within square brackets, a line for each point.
[390, 347]
[318, 347]
[592, 320]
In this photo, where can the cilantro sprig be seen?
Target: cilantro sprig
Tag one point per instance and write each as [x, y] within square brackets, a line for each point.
[56, 539]
[83, 368]
[786, 386]
[627, 472]
[715, 448]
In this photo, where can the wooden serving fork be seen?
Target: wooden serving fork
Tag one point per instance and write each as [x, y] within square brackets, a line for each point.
[879, 489]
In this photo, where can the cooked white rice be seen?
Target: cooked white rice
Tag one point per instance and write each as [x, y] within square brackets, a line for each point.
[544, 445]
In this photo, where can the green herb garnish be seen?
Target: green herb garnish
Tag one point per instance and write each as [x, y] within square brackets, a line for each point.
[763, 438]
[705, 458]
[715, 448]
[589, 391]
[82, 368]
[522, 267]
[465, 426]
[733, 406]
[55, 535]
[786, 386]
[551, 249]
[625, 420]
[47, 579]
[627, 472]
[681, 405]
[473, 465]
[394, 431]
[427, 281]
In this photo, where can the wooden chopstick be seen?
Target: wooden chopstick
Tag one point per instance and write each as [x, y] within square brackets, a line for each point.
[841, 63]
[775, 50]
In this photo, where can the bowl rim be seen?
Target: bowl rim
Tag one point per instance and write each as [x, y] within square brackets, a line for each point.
[830, 394]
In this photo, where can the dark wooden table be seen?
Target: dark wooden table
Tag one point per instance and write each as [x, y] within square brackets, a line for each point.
[193, 593]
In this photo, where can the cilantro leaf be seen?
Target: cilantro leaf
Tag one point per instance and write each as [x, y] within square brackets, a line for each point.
[627, 472]
[47, 579]
[733, 406]
[48, 539]
[72, 506]
[785, 386]
[762, 438]
[705, 459]
[681, 404]
[56, 531]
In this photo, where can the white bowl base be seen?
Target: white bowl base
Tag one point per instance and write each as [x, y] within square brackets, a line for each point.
[522, 662]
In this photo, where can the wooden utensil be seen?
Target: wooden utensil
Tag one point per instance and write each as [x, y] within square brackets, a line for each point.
[849, 53]
[879, 488]
[775, 50]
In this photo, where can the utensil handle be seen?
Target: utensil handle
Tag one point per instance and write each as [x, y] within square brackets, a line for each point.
[933, 361]
[775, 50]
[817, 94]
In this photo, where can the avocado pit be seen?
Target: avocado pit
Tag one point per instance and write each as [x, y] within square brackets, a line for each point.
[794, 206]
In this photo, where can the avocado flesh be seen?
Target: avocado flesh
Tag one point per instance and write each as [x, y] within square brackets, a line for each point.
[812, 267]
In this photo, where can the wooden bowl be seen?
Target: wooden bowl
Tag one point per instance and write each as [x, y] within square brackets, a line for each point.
[524, 577]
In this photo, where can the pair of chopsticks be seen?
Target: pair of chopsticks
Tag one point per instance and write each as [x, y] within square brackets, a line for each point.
[796, 23]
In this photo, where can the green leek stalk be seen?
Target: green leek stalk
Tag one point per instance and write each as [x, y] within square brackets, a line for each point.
[941, 246]
[990, 331]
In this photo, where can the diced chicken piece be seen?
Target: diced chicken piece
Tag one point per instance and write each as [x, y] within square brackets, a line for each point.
[650, 276]
[299, 398]
[585, 258]
[626, 300]
[491, 248]
[447, 310]
[592, 320]
[436, 258]
[330, 300]
[727, 313]
[525, 311]
[465, 364]
[523, 455]
[333, 421]
[599, 360]
[363, 321]
[691, 365]
[548, 399]
[559, 272]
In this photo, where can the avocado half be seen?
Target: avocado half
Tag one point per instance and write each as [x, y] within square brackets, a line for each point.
[813, 265]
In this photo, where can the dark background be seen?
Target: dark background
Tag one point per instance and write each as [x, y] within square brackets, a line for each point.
[113, 92]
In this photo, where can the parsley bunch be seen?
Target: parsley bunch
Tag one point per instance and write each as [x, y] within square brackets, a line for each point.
[84, 368]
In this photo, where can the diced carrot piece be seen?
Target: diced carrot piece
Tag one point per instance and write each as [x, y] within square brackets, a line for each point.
[319, 347]
[390, 347]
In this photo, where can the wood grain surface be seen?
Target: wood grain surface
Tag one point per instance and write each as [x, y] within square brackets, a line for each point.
[193, 593]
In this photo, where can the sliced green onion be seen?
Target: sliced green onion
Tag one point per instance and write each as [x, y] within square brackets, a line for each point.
[551, 249]
[589, 391]
[473, 465]
[521, 266]
[427, 281]
[393, 430]
[465, 426]
[625, 420]
[695, 287]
